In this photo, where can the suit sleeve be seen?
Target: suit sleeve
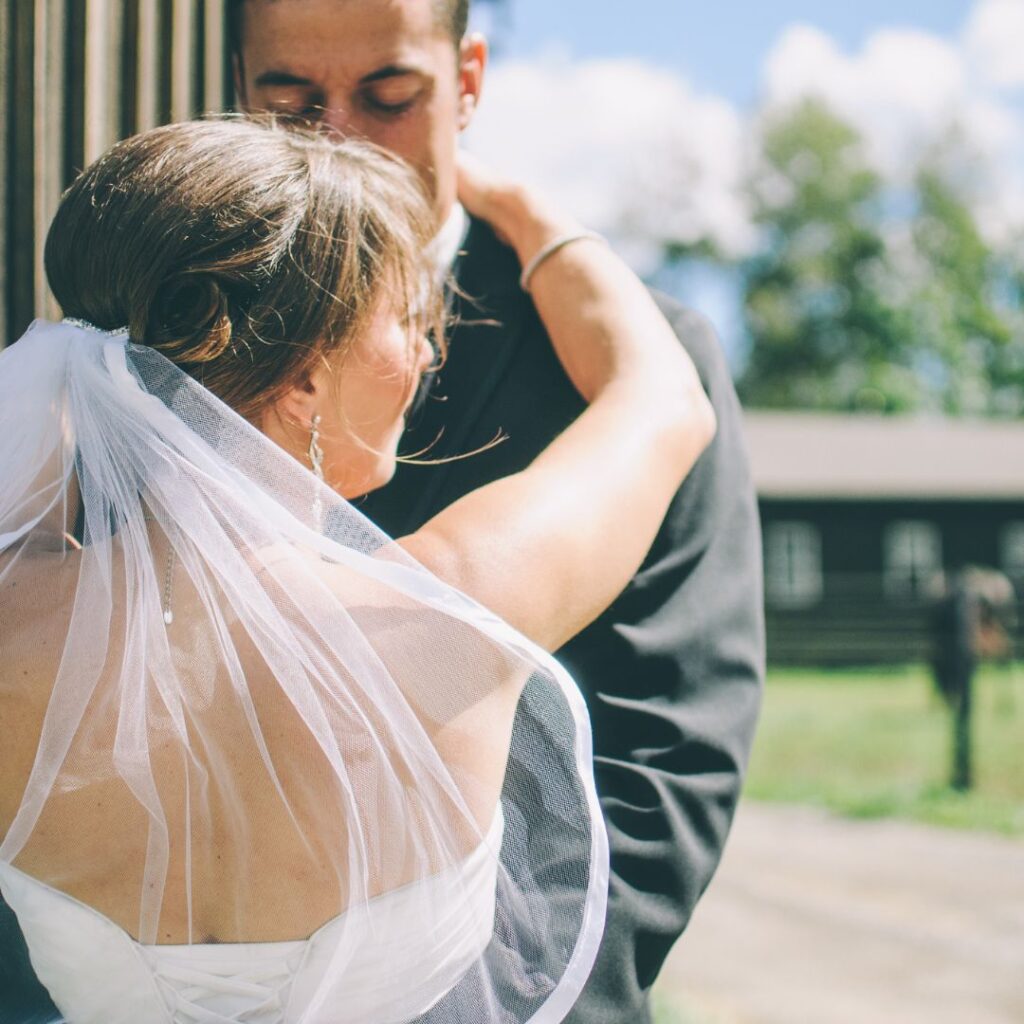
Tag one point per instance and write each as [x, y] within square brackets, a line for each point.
[23, 1000]
[673, 671]
[674, 674]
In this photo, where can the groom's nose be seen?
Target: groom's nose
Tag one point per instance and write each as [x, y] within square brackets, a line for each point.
[335, 121]
[338, 121]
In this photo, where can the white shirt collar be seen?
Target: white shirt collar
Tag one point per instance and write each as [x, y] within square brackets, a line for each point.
[449, 239]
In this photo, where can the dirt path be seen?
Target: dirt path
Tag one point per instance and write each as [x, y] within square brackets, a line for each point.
[817, 920]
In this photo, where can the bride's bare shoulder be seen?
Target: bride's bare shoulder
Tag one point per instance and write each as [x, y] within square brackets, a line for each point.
[36, 591]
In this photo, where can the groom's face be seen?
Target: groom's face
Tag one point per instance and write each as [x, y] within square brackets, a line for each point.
[385, 70]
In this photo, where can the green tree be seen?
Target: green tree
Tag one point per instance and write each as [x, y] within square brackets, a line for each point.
[864, 296]
[823, 334]
[960, 317]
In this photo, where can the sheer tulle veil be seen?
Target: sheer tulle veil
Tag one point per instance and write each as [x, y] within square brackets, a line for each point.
[252, 719]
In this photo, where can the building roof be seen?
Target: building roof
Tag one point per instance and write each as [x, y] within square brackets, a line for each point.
[832, 456]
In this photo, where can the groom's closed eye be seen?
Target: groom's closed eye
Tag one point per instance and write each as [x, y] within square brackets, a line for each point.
[393, 89]
[290, 95]
[384, 94]
[391, 100]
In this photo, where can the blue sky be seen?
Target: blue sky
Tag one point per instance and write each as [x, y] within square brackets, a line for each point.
[638, 115]
[719, 45]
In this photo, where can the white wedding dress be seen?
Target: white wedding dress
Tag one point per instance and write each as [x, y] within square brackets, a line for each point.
[72, 945]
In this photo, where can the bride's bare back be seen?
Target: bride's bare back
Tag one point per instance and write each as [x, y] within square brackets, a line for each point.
[300, 814]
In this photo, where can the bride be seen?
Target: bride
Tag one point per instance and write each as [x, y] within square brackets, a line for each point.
[259, 759]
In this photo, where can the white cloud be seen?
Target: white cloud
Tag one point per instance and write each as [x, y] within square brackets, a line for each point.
[901, 90]
[905, 91]
[629, 149]
[636, 152]
[994, 38]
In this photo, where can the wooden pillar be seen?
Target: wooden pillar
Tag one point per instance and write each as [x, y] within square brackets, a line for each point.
[76, 76]
[103, 42]
[215, 94]
[5, 123]
[183, 59]
[48, 137]
[19, 272]
[147, 92]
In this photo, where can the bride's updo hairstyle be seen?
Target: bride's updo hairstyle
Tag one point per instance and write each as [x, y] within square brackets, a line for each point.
[243, 250]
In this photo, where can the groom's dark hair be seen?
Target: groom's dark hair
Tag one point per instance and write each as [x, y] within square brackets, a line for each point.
[451, 15]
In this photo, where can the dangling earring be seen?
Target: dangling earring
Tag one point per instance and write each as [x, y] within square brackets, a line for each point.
[316, 460]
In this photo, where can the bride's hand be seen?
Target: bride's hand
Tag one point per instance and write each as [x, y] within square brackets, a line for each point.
[519, 216]
[601, 319]
[549, 547]
[479, 188]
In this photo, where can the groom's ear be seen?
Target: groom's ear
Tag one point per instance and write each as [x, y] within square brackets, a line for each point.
[472, 63]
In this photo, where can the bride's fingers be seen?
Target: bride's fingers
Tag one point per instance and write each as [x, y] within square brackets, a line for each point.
[475, 182]
[480, 189]
[519, 215]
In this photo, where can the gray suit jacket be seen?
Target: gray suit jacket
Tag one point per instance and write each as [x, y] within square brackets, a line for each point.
[673, 671]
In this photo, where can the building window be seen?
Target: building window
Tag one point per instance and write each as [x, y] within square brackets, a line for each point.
[913, 557]
[792, 564]
[1011, 550]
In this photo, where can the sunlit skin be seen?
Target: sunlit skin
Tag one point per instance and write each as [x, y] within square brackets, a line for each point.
[382, 70]
[361, 394]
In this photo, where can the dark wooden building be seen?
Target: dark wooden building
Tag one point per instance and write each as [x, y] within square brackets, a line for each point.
[861, 517]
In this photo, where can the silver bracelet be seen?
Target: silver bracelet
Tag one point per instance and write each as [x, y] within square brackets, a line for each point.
[550, 249]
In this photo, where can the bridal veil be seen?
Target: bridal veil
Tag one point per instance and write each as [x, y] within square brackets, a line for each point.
[245, 715]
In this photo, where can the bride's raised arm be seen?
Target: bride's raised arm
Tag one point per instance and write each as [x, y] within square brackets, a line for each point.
[549, 548]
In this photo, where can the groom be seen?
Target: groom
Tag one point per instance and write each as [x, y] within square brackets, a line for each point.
[672, 672]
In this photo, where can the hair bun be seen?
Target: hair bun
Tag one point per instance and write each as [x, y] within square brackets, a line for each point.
[192, 320]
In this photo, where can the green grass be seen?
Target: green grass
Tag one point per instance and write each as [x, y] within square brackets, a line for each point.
[669, 1010]
[876, 743]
